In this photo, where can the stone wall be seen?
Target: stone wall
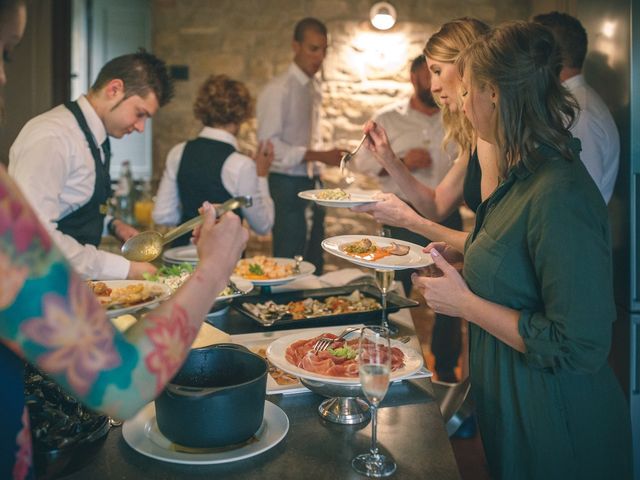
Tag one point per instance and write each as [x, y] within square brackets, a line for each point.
[251, 40]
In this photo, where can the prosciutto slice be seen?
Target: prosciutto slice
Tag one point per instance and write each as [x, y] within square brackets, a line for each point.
[301, 354]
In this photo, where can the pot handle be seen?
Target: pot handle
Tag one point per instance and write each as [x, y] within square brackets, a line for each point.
[231, 346]
[199, 392]
[192, 392]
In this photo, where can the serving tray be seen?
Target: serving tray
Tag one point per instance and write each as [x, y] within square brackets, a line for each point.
[394, 303]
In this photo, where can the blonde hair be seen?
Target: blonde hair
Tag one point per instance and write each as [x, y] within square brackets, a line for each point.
[222, 100]
[445, 46]
[523, 62]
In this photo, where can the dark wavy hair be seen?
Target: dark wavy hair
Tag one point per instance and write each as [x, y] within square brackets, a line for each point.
[222, 100]
[522, 61]
[141, 73]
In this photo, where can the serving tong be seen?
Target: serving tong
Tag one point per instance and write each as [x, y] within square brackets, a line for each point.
[346, 158]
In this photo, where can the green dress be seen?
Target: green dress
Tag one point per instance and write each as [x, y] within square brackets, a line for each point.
[541, 245]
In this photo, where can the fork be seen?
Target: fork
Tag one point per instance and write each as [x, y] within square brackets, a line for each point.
[324, 342]
[346, 158]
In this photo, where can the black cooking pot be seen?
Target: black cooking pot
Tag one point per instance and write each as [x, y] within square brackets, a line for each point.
[216, 399]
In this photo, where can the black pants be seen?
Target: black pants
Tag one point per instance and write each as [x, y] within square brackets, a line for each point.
[290, 236]
[446, 339]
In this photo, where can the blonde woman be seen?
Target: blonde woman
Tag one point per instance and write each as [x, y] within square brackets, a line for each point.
[473, 176]
[536, 286]
[209, 167]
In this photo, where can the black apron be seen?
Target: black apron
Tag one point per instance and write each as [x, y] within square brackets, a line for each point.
[86, 223]
[199, 178]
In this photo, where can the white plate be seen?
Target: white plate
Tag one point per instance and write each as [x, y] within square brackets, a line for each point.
[414, 259]
[276, 354]
[141, 433]
[116, 312]
[185, 254]
[359, 198]
[306, 268]
[256, 341]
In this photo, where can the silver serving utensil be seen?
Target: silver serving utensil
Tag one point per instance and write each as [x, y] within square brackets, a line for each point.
[234, 288]
[147, 246]
[298, 259]
[346, 158]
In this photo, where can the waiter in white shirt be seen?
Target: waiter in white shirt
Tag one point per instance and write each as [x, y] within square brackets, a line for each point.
[61, 161]
[288, 115]
[209, 167]
[594, 126]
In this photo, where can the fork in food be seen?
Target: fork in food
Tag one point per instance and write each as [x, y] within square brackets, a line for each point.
[325, 342]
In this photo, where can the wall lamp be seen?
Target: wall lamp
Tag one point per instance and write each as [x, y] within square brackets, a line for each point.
[382, 15]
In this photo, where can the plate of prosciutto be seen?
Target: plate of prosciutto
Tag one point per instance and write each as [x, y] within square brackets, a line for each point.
[337, 364]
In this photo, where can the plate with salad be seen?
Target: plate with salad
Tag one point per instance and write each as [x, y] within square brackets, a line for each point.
[175, 275]
[263, 271]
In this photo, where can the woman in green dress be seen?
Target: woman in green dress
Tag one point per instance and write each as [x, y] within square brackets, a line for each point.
[536, 286]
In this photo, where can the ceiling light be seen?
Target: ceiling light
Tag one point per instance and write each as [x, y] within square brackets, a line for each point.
[382, 15]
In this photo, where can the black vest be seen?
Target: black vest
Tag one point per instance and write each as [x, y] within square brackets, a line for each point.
[86, 223]
[200, 177]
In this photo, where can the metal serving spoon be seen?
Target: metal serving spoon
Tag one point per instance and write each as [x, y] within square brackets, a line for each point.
[147, 246]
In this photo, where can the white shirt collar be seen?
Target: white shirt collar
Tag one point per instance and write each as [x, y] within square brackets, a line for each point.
[297, 72]
[575, 81]
[93, 120]
[219, 135]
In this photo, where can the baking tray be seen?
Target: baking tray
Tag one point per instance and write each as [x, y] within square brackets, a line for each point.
[394, 303]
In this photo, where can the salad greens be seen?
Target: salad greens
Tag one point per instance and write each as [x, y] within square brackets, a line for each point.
[256, 269]
[344, 352]
[169, 271]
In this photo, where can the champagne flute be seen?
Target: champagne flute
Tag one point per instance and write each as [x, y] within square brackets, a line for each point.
[384, 279]
[374, 363]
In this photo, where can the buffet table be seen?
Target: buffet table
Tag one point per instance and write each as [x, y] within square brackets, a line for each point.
[410, 429]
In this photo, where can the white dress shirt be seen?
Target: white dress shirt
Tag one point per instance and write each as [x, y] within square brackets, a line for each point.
[239, 177]
[407, 129]
[598, 134]
[288, 111]
[52, 163]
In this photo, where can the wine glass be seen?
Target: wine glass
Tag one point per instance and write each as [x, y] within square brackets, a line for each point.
[384, 280]
[374, 363]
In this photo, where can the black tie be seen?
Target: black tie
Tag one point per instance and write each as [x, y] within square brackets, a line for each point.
[106, 148]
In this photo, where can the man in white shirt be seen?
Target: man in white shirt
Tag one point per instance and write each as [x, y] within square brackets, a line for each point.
[415, 131]
[210, 168]
[61, 161]
[594, 126]
[288, 115]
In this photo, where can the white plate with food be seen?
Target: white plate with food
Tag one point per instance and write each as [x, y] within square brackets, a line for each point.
[381, 253]
[185, 254]
[294, 355]
[278, 380]
[337, 197]
[270, 271]
[125, 296]
[142, 434]
[176, 274]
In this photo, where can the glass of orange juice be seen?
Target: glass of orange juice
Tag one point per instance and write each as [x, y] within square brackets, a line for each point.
[142, 211]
